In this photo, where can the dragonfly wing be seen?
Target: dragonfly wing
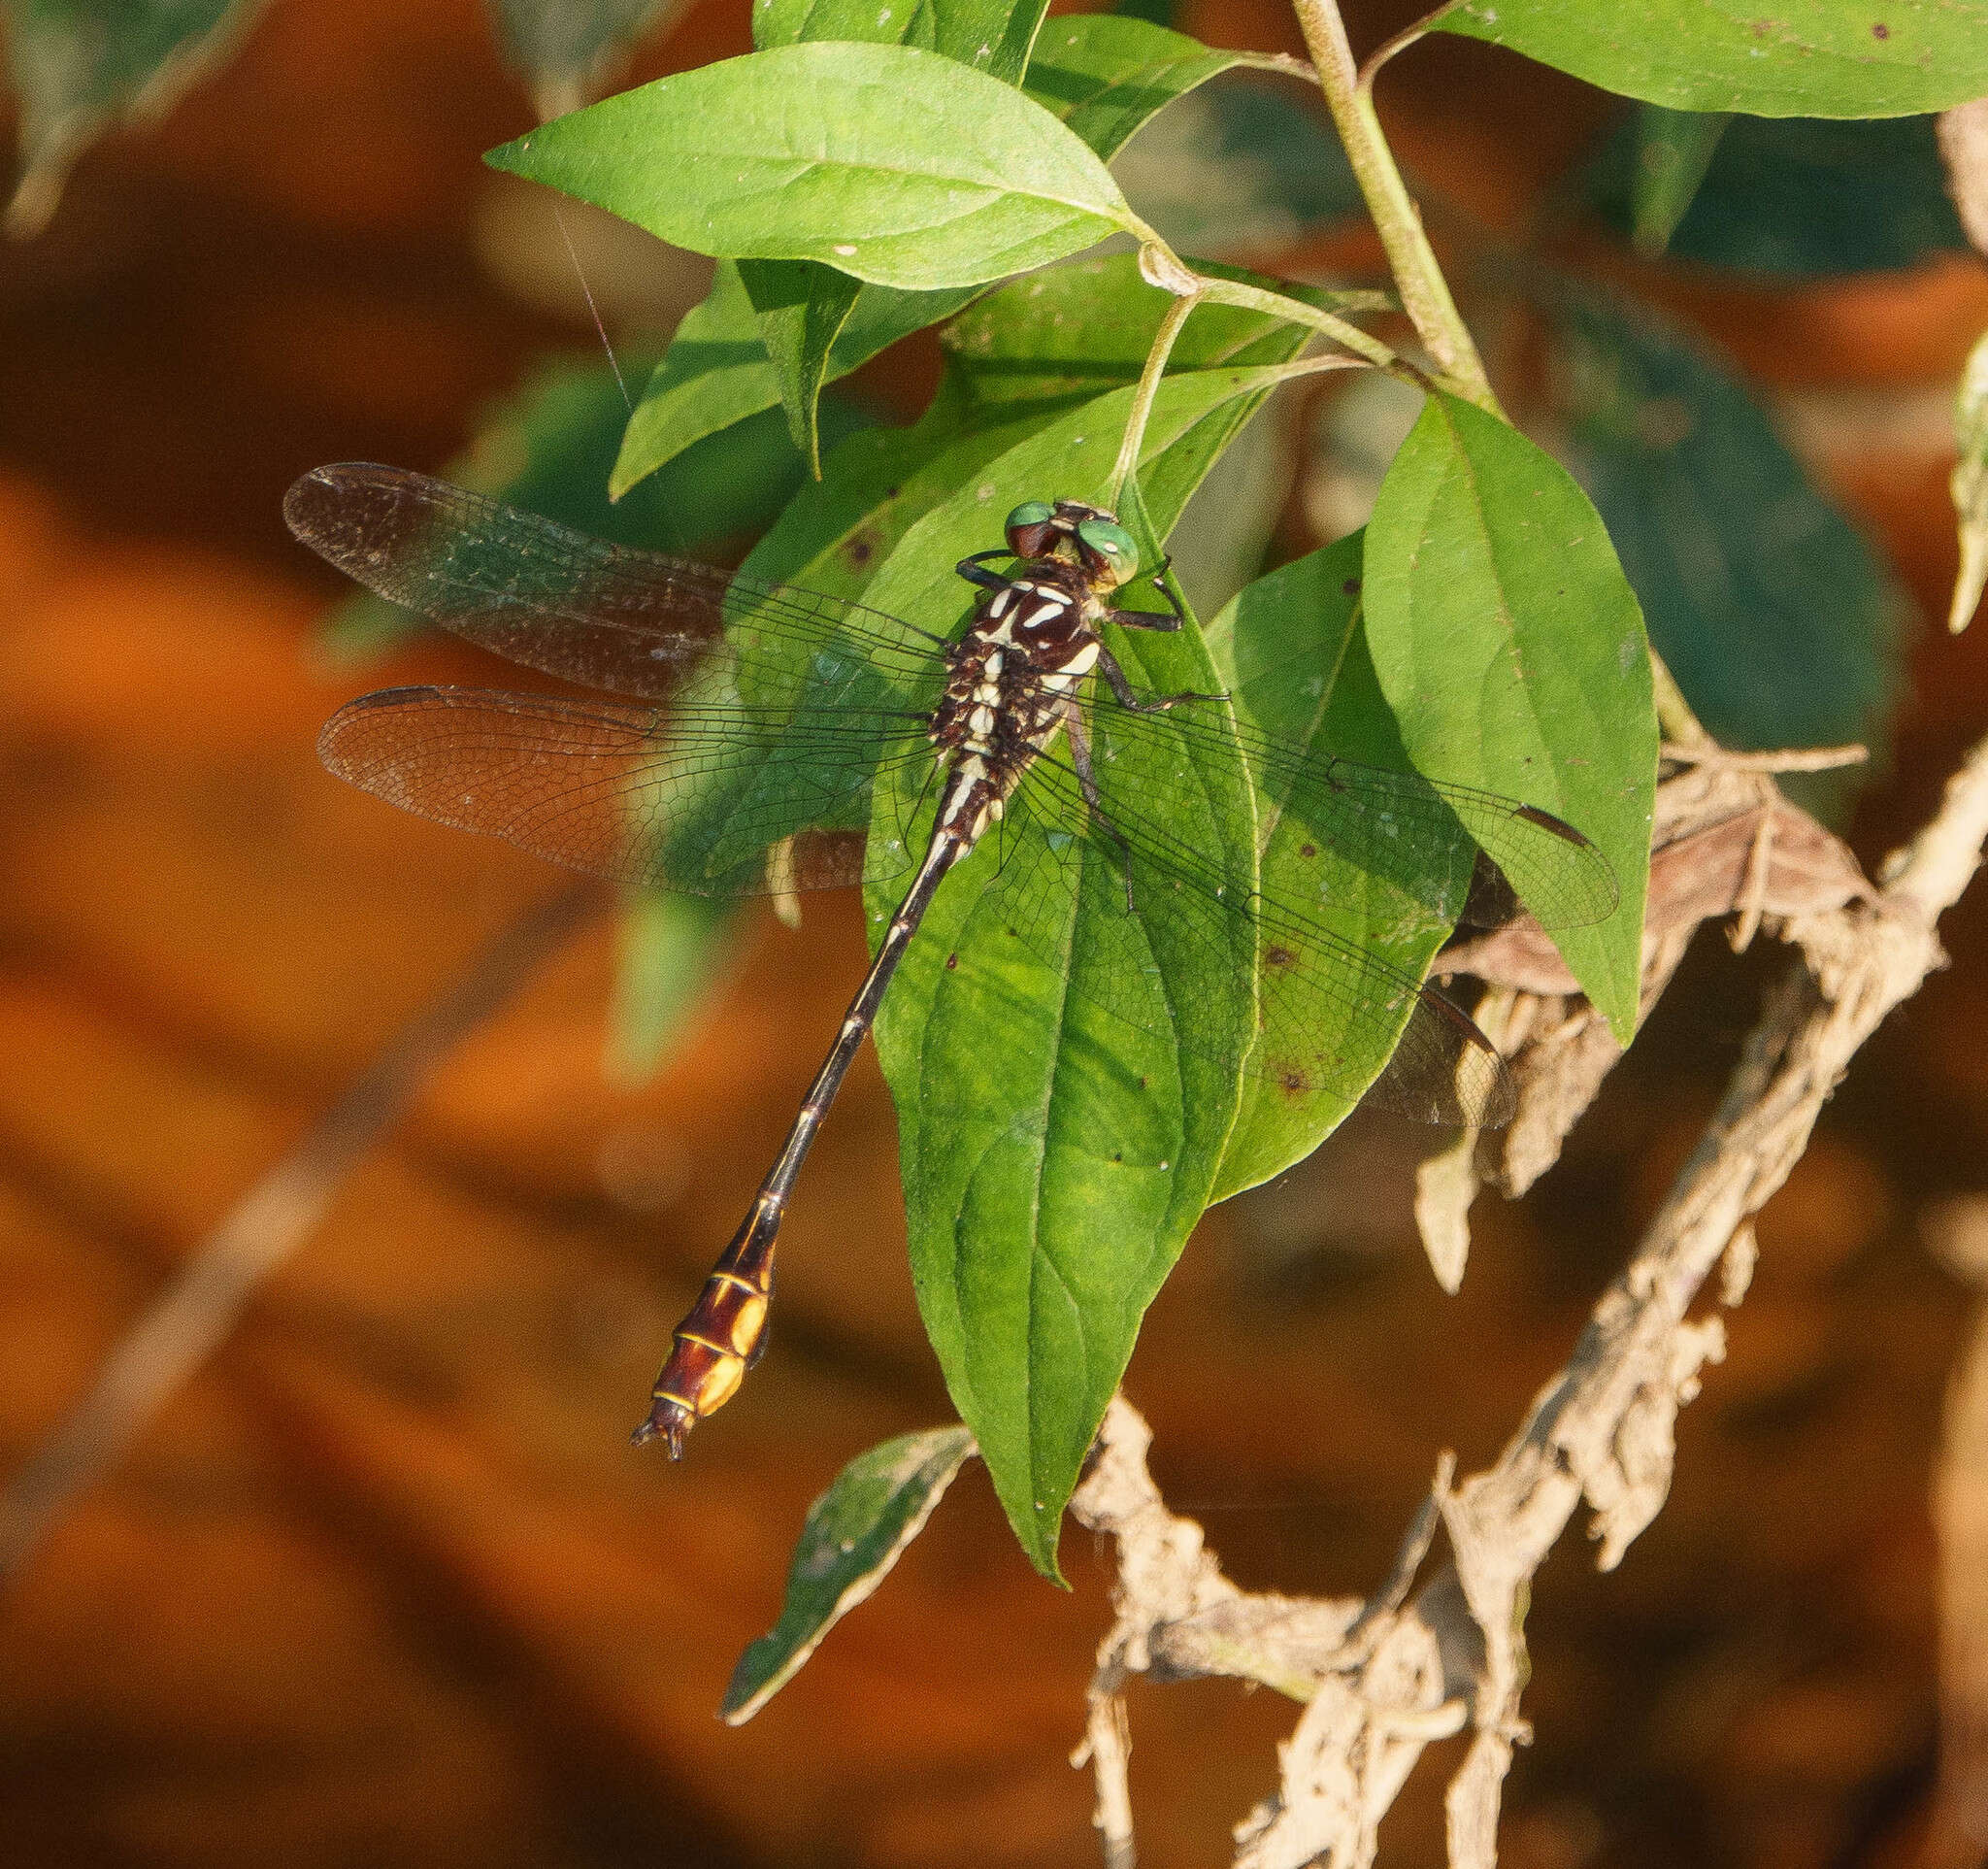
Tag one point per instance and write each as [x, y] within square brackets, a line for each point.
[1329, 1009]
[1416, 843]
[603, 615]
[688, 799]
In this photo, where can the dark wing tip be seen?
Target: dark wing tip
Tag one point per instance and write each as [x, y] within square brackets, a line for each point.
[1445, 1071]
[1547, 821]
[1485, 1092]
[1595, 896]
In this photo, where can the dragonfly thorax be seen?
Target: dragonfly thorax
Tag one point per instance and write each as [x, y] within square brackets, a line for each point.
[1013, 682]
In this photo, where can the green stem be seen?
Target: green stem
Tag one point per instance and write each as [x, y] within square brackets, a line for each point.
[1127, 462]
[1425, 293]
[1160, 265]
[1155, 370]
[1673, 712]
[1362, 343]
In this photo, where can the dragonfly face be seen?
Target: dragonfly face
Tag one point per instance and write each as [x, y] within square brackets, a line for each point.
[720, 767]
[1093, 538]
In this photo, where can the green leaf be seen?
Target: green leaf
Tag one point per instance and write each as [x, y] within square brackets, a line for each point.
[717, 370]
[1291, 651]
[837, 534]
[1791, 197]
[801, 304]
[1056, 1156]
[1971, 487]
[1076, 330]
[1104, 75]
[1779, 622]
[1804, 58]
[993, 36]
[889, 164]
[1510, 647]
[1672, 151]
[854, 1535]
[1243, 165]
[1087, 61]
[566, 48]
[80, 67]
[802, 308]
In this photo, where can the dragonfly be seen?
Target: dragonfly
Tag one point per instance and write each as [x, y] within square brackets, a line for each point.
[770, 740]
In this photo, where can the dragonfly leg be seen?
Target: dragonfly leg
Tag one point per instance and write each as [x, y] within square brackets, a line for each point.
[1123, 691]
[1146, 618]
[1088, 783]
[973, 569]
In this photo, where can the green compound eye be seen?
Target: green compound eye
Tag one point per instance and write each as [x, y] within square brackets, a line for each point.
[1030, 512]
[1112, 543]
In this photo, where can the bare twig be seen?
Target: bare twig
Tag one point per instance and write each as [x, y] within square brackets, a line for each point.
[1726, 841]
[1164, 1576]
[1601, 1431]
[1957, 1831]
[1602, 1428]
[1782, 760]
[1371, 1679]
[203, 1301]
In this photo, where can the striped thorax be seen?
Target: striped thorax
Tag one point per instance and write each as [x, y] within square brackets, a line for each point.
[1017, 670]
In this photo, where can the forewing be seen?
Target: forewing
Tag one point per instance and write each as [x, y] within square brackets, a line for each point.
[688, 799]
[1427, 849]
[599, 614]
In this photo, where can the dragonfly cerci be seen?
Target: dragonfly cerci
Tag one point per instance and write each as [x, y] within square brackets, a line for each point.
[760, 726]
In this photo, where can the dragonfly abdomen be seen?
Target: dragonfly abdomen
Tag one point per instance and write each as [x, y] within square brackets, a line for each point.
[721, 1336]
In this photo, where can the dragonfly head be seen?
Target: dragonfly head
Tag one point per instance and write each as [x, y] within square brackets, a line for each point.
[1093, 538]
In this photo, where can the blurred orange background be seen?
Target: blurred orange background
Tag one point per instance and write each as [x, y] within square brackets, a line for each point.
[387, 1583]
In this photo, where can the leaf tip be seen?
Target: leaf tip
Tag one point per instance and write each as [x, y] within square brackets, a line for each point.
[508, 156]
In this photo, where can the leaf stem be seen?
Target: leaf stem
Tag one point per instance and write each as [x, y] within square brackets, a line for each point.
[1425, 293]
[1155, 370]
[1674, 713]
[1160, 265]
[1362, 343]
[1122, 469]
